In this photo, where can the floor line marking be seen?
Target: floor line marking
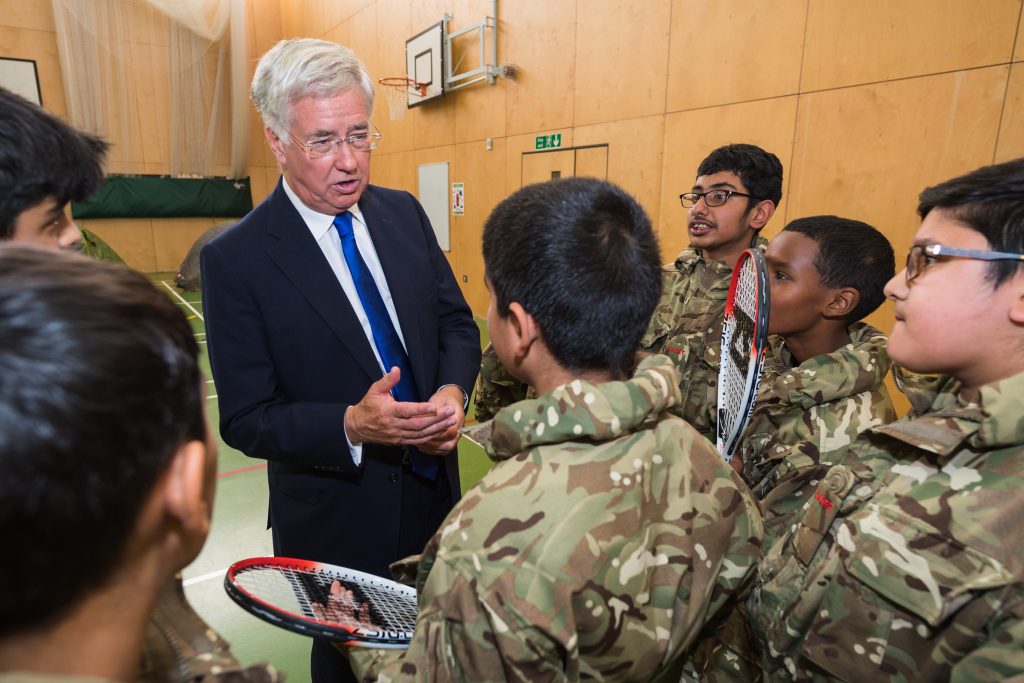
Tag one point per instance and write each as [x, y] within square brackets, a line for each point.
[211, 396]
[240, 471]
[205, 577]
[182, 300]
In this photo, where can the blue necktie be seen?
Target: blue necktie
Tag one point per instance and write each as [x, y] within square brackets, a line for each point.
[385, 338]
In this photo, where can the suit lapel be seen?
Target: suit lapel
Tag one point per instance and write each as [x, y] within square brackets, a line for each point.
[393, 248]
[298, 256]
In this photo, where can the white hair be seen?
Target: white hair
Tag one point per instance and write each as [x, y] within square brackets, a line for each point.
[302, 67]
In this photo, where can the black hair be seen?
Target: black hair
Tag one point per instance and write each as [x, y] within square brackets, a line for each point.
[579, 255]
[99, 386]
[758, 170]
[850, 254]
[991, 201]
[40, 157]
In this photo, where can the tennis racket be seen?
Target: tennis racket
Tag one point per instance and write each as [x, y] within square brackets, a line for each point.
[744, 339]
[324, 601]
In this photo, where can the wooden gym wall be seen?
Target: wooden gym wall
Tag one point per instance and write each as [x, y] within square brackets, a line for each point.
[865, 103]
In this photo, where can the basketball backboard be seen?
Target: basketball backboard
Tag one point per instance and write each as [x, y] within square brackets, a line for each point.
[424, 63]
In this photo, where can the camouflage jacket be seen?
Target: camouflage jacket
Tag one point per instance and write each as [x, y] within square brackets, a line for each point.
[687, 327]
[496, 387]
[605, 537]
[179, 647]
[908, 563]
[806, 414]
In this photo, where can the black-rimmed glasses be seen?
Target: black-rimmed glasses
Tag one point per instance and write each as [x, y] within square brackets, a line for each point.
[711, 197]
[923, 255]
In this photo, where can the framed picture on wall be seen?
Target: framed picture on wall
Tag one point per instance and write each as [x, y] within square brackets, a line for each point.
[21, 76]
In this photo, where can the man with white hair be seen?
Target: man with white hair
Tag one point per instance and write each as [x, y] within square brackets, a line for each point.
[342, 348]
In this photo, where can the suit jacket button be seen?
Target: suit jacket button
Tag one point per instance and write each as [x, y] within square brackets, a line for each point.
[392, 477]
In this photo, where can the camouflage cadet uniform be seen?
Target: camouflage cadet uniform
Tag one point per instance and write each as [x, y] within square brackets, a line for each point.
[806, 414]
[908, 563]
[687, 327]
[496, 387]
[604, 538]
[179, 647]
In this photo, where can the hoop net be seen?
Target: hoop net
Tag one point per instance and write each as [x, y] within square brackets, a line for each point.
[397, 90]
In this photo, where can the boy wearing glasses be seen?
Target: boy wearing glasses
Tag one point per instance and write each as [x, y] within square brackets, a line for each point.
[734, 196]
[908, 561]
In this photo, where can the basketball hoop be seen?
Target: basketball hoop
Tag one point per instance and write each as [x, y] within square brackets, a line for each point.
[397, 90]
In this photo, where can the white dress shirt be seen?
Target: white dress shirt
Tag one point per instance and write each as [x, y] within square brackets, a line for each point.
[322, 228]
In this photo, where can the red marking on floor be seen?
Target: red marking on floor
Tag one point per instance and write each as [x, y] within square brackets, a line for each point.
[244, 469]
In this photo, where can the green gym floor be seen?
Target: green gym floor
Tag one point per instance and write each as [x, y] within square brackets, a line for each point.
[239, 527]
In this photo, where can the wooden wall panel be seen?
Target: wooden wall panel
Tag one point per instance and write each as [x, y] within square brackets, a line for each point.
[691, 136]
[483, 173]
[1018, 55]
[338, 34]
[621, 60]
[479, 108]
[292, 22]
[394, 29]
[480, 111]
[540, 38]
[173, 237]
[1011, 130]
[265, 29]
[592, 162]
[37, 16]
[131, 238]
[701, 73]
[634, 156]
[877, 40]
[867, 152]
[434, 123]
[397, 171]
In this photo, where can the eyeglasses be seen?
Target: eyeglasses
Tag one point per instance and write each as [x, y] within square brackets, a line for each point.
[711, 197]
[923, 255]
[324, 147]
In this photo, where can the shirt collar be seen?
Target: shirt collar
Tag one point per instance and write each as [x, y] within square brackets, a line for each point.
[318, 223]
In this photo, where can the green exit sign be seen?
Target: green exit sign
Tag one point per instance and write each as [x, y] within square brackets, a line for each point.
[548, 141]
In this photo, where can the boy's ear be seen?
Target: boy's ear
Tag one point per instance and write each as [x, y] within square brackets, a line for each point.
[842, 303]
[525, 328]
[761, 214]
[1017, 305]
[186, 489]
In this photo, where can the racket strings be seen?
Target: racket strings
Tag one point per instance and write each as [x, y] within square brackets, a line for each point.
[309, 594]
[738, 332]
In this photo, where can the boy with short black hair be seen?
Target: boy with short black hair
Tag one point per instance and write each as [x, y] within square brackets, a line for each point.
[737, 189]
[44, 165]
[608, 533]
[108, 470]
[908, 561]
[824, 377]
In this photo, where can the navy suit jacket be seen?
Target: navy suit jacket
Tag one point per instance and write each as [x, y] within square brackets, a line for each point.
[289, 356]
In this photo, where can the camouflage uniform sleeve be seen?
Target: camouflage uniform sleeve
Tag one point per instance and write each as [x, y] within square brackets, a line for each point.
[496, 387]
[999, 655]
[462, 636]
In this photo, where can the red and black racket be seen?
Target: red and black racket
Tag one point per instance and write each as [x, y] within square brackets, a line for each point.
[744, 340]
[325, 601]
